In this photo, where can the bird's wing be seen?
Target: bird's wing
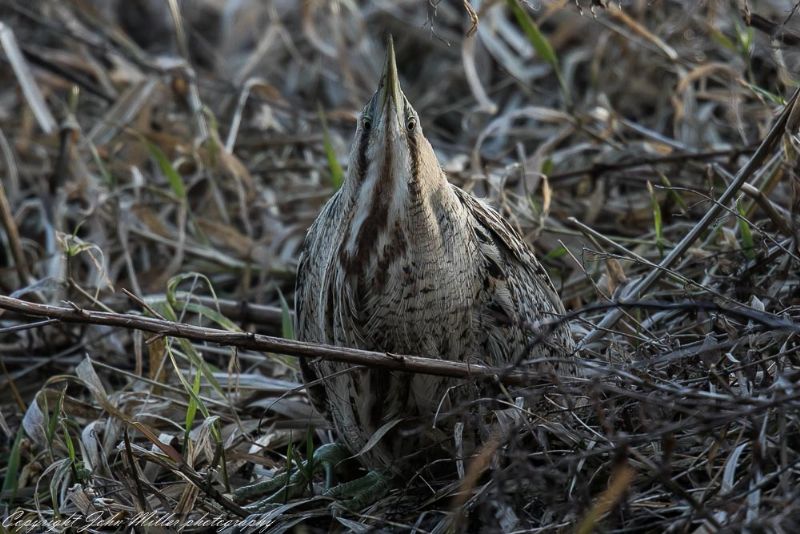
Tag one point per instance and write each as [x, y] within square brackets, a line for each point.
[309, 304]
[517, 291]
[312, 268]
[506, 238]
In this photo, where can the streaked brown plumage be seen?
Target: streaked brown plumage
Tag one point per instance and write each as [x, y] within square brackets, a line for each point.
[401, 261]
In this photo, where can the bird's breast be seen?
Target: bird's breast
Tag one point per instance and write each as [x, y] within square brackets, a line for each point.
[412, 290]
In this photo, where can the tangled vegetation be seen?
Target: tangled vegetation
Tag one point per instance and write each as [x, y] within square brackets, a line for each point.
[164, 160]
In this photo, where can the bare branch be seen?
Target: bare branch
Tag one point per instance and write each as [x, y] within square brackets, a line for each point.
[258, 342]
[765, 148]
[395, 362]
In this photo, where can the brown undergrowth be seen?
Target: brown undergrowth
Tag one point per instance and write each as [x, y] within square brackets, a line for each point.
[165, 159]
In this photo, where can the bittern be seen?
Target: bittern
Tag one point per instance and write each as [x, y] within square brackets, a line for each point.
[401, 261]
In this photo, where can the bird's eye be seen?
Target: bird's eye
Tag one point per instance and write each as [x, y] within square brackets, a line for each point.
[411, 124]
[366, 123]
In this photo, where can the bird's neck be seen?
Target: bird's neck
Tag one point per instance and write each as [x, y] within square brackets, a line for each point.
[388, 220]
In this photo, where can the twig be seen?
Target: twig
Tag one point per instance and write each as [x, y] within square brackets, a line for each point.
[769, 209]
[384, 360]
[602, 168]
[260, 342]
[27, 326]
[774, 30]
[14, 241]
[765, 148]
[587, 230]
[473, 18]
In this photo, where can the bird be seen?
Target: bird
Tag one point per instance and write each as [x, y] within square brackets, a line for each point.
[399, 260]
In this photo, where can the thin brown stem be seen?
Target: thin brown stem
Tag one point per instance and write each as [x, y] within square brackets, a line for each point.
[764, 149]
[259, 342]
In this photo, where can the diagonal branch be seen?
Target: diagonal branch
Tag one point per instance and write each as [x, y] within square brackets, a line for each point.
[764, 149]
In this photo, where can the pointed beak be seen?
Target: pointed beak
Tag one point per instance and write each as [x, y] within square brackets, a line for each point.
[390, 82]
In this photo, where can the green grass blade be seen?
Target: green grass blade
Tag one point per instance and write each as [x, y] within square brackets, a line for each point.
[556, 253]
[287, 325]
[165, 165]
[12, 469]
[337, 174]
[191, 410]
[673, 194]
[539, 42]
[104, 172]
[535, 36]
[658, 222]
[52, 423]
[748, 246]
[309, 465]
[202, 368]
[721, 39]
[209, 313]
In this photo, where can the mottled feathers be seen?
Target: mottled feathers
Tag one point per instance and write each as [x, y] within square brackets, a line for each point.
[476, 298]
[401, 261]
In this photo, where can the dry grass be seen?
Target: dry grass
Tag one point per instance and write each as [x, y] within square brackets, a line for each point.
[604, 135]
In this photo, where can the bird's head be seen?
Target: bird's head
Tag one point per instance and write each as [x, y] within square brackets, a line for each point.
[389, 144]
